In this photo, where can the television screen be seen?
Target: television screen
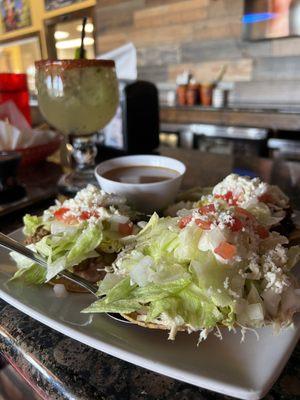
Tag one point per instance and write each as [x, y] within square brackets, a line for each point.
[270, 19]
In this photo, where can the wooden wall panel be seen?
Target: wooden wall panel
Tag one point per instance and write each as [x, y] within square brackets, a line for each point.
[110, 41]
[286, 47]
[169, 54]
[268, 93]
[225, 8]
[176, 13]
[154, 3]
[277, 68]
[237, 70]
[215, 28]
[256, 50]
[117, 16]
[162, 35]
[210, 50]
[153, 73]
[143, 38]
[199, 35]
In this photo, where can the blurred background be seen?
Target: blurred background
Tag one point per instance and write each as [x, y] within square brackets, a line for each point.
[227, 71]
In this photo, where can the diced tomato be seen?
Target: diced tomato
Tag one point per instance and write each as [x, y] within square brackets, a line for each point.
[226, 250]
[266, 198]
[262, 232]
[237, 225]
[184, 221]
[125, 229]
[59, 214]
[203, 224]
[244, 213]
[209, 208]
[87, 214]
[228, 197]
[220, 196]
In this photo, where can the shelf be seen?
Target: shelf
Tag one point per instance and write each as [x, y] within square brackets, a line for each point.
[270, 119]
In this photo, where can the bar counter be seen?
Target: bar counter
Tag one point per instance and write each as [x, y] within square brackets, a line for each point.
[58, 367]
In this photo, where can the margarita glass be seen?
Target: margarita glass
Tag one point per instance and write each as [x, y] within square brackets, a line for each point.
[78, 97]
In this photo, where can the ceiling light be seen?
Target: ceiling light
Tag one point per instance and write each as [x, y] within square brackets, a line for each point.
[73, 43]
[89, 27]
[61, 35]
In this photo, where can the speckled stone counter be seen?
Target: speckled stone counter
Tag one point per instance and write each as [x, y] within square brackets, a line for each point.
[58, 367]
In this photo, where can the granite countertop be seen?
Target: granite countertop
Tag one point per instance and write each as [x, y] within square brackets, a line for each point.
[58, 367]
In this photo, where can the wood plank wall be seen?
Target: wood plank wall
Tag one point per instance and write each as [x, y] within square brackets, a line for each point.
[202, 36]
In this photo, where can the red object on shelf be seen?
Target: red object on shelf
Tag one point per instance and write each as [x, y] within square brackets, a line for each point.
[206, 91]
[181, 94]
[33, 155]
[14, 87]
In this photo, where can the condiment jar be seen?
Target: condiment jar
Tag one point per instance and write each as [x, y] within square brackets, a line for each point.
[181, 94]
[192, 94]
[206, 90]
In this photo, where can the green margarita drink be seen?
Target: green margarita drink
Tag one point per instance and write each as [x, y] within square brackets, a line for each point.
[77, 97]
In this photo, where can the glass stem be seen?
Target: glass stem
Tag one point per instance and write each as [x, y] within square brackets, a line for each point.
[84, 152]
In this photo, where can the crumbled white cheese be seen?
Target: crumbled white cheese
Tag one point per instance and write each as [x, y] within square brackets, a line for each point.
[273, 264]
[210, 291]
[92, 200]
[247, 191]
[225, 219]
[243, 188]
[226, 283]
[234, 294]
[242, 273]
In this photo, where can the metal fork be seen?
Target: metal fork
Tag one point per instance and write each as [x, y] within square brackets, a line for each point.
[12, 245]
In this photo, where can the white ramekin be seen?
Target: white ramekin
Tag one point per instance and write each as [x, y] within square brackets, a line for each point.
[145, 197]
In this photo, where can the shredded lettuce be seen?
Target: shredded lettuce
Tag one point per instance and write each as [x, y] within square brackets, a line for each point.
[108, 282]
[167, 277]
[77, 229]
[137, 296]
[177, 274]
[187, 244]
[293, 256]
[31, 273]
[35, 274]
[64, 250]
[110, 242]
[263, 214]
[31, 224]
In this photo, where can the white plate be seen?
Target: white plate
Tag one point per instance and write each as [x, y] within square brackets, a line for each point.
[244, 370]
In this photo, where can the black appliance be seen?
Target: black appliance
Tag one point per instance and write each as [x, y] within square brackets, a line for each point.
[135, 127]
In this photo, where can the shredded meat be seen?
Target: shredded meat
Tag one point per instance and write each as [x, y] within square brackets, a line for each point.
[286, 226]
[92, 269]
[38, 235]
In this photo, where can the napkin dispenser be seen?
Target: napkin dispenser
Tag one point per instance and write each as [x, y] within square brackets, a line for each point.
[135, 127]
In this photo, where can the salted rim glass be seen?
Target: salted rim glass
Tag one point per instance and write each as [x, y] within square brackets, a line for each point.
[78, 97]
